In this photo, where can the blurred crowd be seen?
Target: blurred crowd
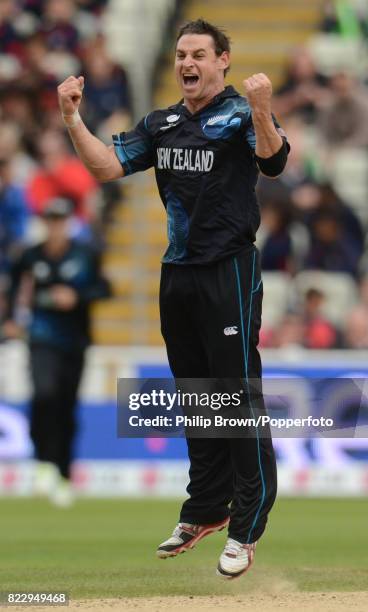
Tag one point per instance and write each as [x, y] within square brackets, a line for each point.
[309, 220]
[41, 43]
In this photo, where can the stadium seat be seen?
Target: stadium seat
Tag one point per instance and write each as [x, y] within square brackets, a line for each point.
[354, 164]
[276, 296]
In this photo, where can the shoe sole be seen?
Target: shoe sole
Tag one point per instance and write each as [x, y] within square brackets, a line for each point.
[227, 576]
[165, 554]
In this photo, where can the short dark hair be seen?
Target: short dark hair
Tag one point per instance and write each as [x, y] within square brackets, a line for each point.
[220, 39]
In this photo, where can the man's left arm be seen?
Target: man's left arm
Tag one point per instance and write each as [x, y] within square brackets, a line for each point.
[271, 149]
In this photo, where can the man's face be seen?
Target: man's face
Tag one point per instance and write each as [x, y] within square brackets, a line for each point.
[57, 228]
[198, 70]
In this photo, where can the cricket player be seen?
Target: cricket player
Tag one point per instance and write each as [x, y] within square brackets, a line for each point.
[207, 151]
[63, 279]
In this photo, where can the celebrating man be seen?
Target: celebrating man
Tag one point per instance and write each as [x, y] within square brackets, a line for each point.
[207, 151]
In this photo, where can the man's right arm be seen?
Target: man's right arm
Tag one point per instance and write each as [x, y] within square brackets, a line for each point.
[100, 160]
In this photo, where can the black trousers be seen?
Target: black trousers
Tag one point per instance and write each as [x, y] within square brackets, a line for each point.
[198, 305]
[55, 375]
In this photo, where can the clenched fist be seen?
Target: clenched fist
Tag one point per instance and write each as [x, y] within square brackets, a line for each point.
[70, 95]
[258, 90]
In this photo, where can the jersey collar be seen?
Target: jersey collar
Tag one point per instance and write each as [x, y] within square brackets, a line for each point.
[228, 92]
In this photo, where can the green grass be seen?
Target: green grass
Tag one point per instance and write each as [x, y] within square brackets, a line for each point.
[106, 548]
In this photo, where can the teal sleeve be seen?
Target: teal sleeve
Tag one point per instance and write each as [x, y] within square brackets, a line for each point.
[134, 149]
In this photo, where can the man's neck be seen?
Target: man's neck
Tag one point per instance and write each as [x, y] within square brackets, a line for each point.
[194, 106]
[56, 248]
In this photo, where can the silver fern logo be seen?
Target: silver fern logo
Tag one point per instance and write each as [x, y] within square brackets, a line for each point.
[217, 119]
[172, 118]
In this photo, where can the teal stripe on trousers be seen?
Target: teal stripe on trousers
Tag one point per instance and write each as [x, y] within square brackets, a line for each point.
[246, 354]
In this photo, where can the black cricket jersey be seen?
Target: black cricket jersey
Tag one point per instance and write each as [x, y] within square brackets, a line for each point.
[206, 174]
[79, 268]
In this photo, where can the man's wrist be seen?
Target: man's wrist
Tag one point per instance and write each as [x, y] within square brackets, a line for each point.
[71, 121]
[261, 114]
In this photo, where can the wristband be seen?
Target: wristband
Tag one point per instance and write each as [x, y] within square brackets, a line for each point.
[274, 165]
[71, 121]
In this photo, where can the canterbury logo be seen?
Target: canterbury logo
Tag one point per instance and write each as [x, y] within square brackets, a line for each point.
[231, 331]
[216, 119]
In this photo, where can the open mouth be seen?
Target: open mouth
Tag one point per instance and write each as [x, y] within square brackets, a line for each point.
[190, 79]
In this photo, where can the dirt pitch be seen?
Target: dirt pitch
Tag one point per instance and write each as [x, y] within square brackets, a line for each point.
[289, 601]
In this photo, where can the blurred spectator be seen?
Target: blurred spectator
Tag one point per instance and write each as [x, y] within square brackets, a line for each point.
[331, 249]
[18, 106]
[42, 42]
[336, 234]
[289, 332]
[304, 88]
[10, 41]
[58, 26]
[11, 148]
[306, 199]
[39, 72]
[310, 199]
[321, 231]
[95, 6]
[329, 22]
[13, 219]
[329, 200]
[106, 95]
[276, 250]
[356, 327]
[299, 168]
[304, 326]
[319, 333]
[62, 174]
[65, 26]
[345, 17]
[33, 7]
[343, 122]
[13, 216]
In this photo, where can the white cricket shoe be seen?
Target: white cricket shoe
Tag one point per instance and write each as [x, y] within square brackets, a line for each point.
[46, 476]
[62, 495]
[186, 536]
[235, 559]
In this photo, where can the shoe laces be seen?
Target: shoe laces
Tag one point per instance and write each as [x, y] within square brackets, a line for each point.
[233, 548]
[188, 527]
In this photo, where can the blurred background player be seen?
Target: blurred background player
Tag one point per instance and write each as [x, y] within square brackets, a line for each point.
[57, 280]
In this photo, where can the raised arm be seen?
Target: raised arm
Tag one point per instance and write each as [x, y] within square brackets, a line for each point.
[99, 159]
[271, 151]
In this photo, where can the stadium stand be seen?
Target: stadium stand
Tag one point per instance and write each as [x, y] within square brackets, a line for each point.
[262, 40]
[43, 42]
